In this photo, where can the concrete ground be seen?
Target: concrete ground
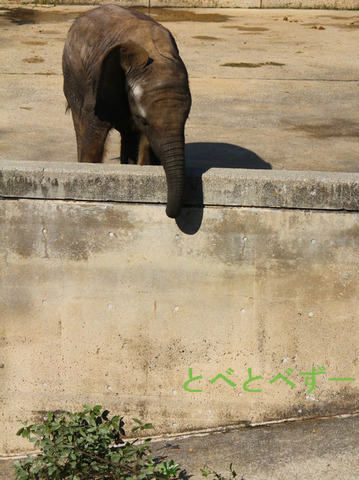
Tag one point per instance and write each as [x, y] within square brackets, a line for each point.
[287, 99]
[311, 450]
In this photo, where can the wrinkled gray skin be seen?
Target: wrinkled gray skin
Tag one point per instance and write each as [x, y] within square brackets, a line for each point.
[122, 70]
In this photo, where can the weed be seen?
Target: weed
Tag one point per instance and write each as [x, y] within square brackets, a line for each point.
[89, 444]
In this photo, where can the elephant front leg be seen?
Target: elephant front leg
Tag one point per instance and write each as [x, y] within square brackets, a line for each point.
[145, 153]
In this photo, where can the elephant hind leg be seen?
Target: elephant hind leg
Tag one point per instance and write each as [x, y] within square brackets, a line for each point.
[91, 136]
[135, 148]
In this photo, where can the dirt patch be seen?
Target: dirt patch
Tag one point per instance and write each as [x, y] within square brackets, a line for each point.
[204, 37]
[33, 60]
[50, 32]
[348, 24]
[337, 128]
[338, 17]
[248, 29]
[23, 16]
[26, 16]
[34, 42]
[46, 73]
[178, 15]
[252, 65]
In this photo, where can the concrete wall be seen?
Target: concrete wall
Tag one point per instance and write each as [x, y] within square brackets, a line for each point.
[103, 299]
[337, 4]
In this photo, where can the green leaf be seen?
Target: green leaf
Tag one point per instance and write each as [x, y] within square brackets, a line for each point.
[52, 469]
[116, 457]
[148, 426]
[64, 454]
[22, 474]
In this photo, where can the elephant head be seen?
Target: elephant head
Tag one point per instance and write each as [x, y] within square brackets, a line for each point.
[144, 93]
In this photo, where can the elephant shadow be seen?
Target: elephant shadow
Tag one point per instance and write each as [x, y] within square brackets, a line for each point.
[202, 156]
[206, 155]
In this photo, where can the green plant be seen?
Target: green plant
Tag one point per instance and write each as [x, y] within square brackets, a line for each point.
[206, 471]
[89, 445]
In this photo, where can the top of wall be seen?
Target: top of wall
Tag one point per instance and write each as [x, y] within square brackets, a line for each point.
[226, 187]
[337, 4]
[313, 4]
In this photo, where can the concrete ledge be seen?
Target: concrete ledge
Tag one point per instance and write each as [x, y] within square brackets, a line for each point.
[313, 4]
[302, 4]
[226, 187]
[335, 4]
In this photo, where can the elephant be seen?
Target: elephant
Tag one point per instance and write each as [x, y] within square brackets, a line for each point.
[122, 70]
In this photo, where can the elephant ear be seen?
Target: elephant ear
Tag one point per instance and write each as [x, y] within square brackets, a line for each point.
[133, 57]
[109, 79]
[164, 42]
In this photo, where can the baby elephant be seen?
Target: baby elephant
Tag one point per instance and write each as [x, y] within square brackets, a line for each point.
[122, 70]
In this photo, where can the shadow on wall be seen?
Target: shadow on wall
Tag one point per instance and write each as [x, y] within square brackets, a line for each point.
[200, 157]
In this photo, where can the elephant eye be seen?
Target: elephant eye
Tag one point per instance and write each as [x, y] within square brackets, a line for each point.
[142, 120]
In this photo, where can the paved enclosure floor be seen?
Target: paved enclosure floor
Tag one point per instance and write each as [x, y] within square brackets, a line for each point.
[271, 88]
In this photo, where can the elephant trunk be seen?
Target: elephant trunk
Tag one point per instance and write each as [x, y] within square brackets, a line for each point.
[171, 155]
